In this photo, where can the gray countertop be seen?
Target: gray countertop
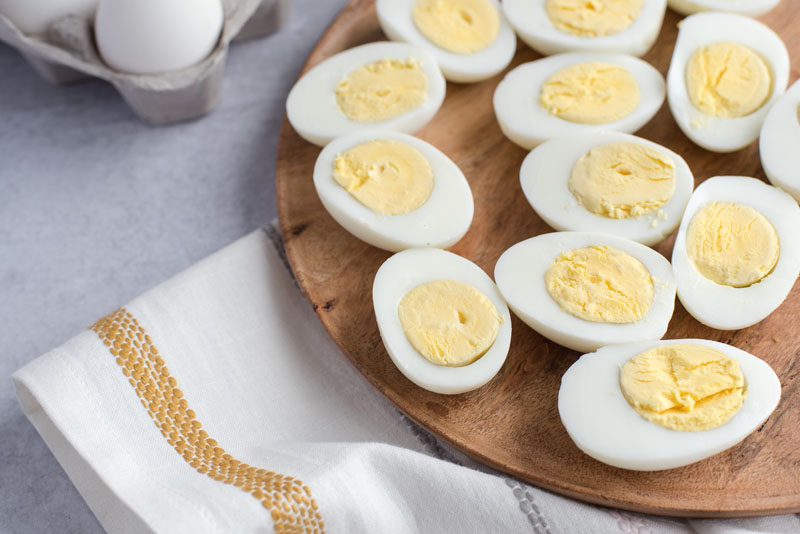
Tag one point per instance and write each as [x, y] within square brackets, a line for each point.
[96, 207]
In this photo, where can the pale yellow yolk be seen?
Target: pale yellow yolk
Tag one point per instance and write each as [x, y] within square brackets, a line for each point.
[593, 18]
[382, 90]
[683, 387]
[458, 26]
[590, 93]
[449, 323]
[621, 180]
[732, 244]
[388, 177]
[728, 80]
[600, 284]
[798, 114]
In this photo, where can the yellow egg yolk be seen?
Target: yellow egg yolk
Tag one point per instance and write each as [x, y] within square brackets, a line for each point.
[449, 323]
[684, 387]
[727, 79]
[382, 90]
[732, 244]
[621, 180]
[388, 177]
[592, 18]
[458, 26]
[600, 284]
[590, 93]
[798, 114]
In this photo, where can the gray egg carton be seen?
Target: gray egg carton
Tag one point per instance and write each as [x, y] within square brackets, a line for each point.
[67, 53]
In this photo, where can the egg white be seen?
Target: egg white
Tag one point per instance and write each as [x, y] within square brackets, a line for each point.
[403, 272]
[544, 177]
[520, 277]
[440, 222]
[525, 122]
[779, 142]
[731, 308]
[721, 134]
[529, 19]
[312, 109]
[751, 8]
[396, 21]
[602, 424]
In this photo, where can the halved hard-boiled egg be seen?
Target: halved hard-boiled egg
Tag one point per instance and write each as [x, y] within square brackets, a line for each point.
[737, 253]
[612, 26]
[393, 191]
[780, 137]
[608, 182]
[442, 320]
[584, 290]
[470, 39]
[574, 93]
[391, 86]
[726, 72]
[751, 8]
[655, 405]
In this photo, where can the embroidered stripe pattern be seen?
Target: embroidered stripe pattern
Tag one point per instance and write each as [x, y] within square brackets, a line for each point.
[293, 509]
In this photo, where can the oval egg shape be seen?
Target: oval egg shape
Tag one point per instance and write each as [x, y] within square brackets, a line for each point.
[780, 137]
[751, 8]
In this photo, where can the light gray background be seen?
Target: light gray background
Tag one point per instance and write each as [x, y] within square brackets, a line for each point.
[97, 207]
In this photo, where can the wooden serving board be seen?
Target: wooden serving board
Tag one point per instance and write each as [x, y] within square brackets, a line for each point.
[512, 423]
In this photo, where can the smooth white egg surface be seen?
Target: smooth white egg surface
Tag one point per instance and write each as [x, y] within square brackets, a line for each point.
[545, 176]
[520, 276]
[153, 36]
[312, 107]
[730, 308]
[751, 8]
[524, 120]
[36, 17]
[440, 222]
[602, 424]
[780, 137]
[533, 25]
[397, 21]
[409, 269]
[714, 132]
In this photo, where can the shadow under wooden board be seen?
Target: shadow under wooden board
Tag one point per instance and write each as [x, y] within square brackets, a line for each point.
[512, 423]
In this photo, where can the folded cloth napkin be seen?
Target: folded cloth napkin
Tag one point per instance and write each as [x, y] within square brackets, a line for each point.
[216, 403]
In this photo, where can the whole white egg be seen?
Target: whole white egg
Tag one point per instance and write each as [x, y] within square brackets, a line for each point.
[408, 269]
[716, 133]
[529, 18]
[731, 308]
[544, 177]
[780, 137]
[525, 122]
[34, 17]
[154, 36]
[602, 424]
[397, 22]
[312, 109]
[751, 8]
[440, 222]
[520, 276]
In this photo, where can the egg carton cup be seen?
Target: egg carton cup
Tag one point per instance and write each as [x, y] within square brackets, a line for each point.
[67, 53]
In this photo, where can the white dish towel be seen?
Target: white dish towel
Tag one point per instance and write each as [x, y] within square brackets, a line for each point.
[216, 403]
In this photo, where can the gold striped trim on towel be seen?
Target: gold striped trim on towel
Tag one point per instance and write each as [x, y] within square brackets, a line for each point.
[293, 509]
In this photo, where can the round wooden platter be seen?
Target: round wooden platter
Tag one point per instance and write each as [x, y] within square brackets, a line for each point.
[512, 423]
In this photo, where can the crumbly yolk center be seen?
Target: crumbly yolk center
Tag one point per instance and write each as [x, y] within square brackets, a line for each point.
[458, 26]
[684, 387]
[590, 93]
[593, 18]
[727, 79]
[732, 244]
[621, 180]
[388, 177]
[600, 284]
[448, 322]
[382, 90]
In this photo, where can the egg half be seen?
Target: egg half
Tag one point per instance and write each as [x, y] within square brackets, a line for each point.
[780, 137]
[406, 271]
[752, 8]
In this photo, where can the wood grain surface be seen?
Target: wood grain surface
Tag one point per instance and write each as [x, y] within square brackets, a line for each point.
[512, 423]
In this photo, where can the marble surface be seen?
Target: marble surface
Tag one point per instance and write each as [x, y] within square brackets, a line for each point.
[97, 207]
